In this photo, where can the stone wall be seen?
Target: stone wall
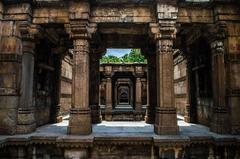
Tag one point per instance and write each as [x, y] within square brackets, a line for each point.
[66, 85]
[233, 71]
[10, 74]
[180, 84]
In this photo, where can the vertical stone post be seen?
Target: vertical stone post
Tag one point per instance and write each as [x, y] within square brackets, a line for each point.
[26, 118]
[80, 122]
[80, 114]
[109, 104]
[188, 114]
[220, 119]
[94, 88]
[166, 118]
[152, 93]
[138, 98]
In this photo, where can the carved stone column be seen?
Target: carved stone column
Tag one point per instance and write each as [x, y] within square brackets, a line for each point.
[109, 104]
[81, 29]
[189, 112]
[220, 119]
[166, 118]
[94, 88]
[26, 117]
[80, 114]
[152, 93]
[138, 98]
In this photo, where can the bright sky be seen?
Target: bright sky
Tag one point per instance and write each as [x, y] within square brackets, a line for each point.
[117, 52]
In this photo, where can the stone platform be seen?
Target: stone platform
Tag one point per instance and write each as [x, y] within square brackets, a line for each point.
[132, 131]
[118, 140]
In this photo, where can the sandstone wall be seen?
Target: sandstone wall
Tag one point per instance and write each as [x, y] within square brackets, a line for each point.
[66, 85]
[10, 74]
[180, 85]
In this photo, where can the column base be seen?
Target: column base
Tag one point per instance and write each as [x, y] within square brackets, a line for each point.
[166, 121]
[220, 121]
[150, 115]
[187, 114]
[80, 122]
[76, 153]
[138, 116]
[108, 115]
[96, 114]
[25, 121]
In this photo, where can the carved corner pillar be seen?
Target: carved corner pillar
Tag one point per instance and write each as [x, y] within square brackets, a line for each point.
[109, 102]
[26, 115]
[10, 75]
[152, 93]
[80, 122]
[80, 114]
[220, 119]
[138, 98]
[166, 118]
[94, 88]
[189, 112]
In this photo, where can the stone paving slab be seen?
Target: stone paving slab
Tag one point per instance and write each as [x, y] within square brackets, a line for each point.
[135, 131]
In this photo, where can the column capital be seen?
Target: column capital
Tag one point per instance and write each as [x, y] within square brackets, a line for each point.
[28, 31]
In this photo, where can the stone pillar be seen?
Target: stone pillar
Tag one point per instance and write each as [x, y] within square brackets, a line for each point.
[80, 122]
[138, 98]
[26, 117]
[220, 119]
[166, 118]
[76, 154]
[55, 109]
[10, 75]
[188, 114]
[152, 93]
[80, 114]
[94, 88]
[109, 104]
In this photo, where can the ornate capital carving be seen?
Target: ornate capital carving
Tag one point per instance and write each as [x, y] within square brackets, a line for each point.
[81, 29]
[28, 31]
[217, 47]
[165, 46]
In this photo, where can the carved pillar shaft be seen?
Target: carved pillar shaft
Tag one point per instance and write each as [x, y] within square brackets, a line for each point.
[109, 104]
[152, 93]
[220, 123]
[138, 100]
[57, 117]
[166, 118]
[80, 114]
[189, 115]
[94, 89]
[26, 119]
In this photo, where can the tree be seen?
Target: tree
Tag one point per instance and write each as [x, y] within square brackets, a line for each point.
[134, 56]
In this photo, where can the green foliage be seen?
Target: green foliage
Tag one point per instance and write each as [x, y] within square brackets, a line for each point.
[132, 57]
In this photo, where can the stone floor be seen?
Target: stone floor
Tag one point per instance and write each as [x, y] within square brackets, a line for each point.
[124, 129]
